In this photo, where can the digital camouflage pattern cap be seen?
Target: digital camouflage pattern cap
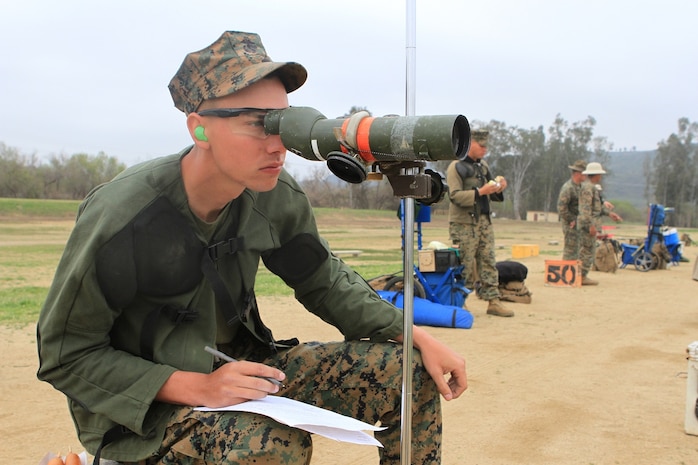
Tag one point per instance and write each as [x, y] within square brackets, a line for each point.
[233, 62]
[579, 165]
[480, 136]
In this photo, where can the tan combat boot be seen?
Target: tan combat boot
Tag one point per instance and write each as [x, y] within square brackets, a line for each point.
[587, 281]
[496, 308]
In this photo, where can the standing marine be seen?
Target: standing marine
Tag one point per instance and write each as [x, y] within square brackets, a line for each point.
[472, 188]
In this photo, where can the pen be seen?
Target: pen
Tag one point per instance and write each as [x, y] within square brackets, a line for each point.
[228, 358]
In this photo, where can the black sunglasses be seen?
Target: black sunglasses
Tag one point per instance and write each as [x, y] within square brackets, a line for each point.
[232, 112]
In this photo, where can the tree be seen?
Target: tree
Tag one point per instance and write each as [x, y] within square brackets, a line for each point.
[16, 177]
[673, 174]
[519, 153]
[83, 172]
[565, 143]
[355, 109]
[324, 189]
[534, 165]
[63, 177]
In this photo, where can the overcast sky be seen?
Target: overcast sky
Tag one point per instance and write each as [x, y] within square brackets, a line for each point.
[91, 76]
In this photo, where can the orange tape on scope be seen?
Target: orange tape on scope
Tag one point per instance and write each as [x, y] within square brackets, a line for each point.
[363, 131]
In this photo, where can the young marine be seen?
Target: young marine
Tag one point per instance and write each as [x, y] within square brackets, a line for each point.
[162, 263]
[472, 188]
[591, 209]
[568, 210]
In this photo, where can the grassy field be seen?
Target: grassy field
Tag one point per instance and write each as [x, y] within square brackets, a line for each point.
[33, 234]
[37, 208]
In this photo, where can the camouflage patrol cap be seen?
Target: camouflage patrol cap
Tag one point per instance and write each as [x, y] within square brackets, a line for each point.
[579, 165]
[480, 136]
[233, 62]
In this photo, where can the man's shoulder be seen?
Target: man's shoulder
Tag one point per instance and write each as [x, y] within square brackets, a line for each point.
[571, 186]
[463, 167]
[587, 186]
[564, 191]
[158, 172]
[124, 196]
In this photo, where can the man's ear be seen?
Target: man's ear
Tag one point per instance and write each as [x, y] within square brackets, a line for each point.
[197, 131]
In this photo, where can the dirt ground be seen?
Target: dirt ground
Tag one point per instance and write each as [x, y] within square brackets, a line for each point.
[591, 375]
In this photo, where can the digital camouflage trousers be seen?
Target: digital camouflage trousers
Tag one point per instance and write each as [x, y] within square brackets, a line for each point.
[571, 235]
[475, 244]
[359, 379]
[587, 251]
[579, 245]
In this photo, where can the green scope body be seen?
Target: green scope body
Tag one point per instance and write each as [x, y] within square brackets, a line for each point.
[309, 134]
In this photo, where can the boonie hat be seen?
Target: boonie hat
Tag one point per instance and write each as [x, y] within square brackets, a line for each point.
[480, 136]
[594, 168]
[233, 62]
[579, 165]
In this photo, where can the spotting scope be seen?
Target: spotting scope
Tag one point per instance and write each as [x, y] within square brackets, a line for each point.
[308, 133]
[387, 144]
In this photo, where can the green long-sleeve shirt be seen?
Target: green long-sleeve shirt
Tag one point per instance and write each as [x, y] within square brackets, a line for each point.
[465, 205]
[90, 328]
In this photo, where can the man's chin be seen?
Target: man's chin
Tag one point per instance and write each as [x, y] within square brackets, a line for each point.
[264, 186]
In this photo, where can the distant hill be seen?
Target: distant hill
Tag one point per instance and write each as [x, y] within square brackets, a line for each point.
[626, 179]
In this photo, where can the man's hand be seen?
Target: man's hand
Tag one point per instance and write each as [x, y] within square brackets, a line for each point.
[502, 183]
[230, 384]
[439, 360]
[615, 217]
[494, 186]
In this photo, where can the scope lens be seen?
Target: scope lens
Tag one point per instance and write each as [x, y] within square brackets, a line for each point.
[460, 138]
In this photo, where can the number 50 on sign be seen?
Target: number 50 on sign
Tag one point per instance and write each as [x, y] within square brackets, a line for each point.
[563, 273]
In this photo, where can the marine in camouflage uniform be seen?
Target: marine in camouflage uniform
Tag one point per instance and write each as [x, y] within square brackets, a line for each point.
[568, 210]
[591, 209]
[162, 262]
[471, 188]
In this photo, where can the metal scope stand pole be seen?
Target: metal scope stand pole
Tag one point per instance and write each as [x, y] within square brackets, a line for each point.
[407, 349]
[408, 253]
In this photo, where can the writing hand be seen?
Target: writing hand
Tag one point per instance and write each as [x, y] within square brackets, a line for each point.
[230, 384]
[237, 382]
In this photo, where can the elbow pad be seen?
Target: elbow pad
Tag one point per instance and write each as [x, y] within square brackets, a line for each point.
[297, 259]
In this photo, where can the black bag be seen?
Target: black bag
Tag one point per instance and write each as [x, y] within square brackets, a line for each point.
[511, 271]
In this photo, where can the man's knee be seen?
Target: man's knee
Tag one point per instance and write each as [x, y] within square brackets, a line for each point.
[241, 438]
